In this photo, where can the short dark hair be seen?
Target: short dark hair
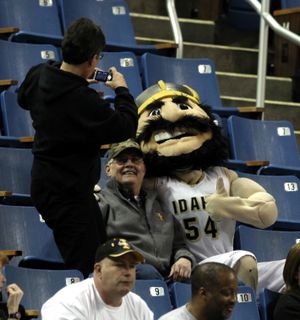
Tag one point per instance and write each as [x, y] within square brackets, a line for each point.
[82, 41]
[292, 264]
[206, 275]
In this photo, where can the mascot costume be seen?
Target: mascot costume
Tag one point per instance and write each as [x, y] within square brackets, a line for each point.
[184, 152]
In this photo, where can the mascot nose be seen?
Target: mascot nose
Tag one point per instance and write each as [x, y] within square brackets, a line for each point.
[172, 112]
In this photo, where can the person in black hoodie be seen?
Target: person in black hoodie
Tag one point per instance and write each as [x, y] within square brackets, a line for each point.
[288, 304]
[71, 121]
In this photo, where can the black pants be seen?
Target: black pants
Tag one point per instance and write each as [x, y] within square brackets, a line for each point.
[77, 225]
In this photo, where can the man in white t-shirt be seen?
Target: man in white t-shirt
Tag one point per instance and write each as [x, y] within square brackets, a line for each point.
[106, 295]
[214, 289]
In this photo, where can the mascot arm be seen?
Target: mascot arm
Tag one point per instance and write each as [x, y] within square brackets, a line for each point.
[248, 202]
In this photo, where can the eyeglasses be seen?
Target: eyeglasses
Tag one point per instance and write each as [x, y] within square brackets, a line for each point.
[123, 160]
[100, 56]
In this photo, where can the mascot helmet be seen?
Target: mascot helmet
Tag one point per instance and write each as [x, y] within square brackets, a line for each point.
[163, 90]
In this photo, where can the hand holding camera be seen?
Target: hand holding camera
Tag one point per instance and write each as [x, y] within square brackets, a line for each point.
[118, 79]
[102, 76]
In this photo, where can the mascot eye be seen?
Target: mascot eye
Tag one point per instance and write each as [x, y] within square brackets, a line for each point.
[184, 106]
[155, 112]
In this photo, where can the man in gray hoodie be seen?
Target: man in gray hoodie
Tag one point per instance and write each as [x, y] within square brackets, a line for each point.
[132, 213]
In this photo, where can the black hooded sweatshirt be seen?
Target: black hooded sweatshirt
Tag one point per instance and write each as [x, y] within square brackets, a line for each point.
[71, 121]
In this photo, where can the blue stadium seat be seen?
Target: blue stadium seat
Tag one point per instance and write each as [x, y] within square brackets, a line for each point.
[114, 19]
[156, 294]
[267, 245]
[285, 4]
[16, 124]
[286, 191]
[267, 302]
[16, 121]
[241, 15]
[197, 73]
[35, 21]
[23, 229]
[180, 293]
[245, 307]
[18, 58]
[15, 175]
[40, 285]
[269, 144]
[127, 64]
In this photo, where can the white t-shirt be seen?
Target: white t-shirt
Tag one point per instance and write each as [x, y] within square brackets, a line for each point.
[205, 238]
[81, 301]
[181, 313]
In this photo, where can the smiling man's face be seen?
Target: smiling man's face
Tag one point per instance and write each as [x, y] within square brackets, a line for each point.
[128, 169]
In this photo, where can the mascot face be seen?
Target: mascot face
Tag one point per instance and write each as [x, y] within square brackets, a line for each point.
[174, 136]
[176, 132]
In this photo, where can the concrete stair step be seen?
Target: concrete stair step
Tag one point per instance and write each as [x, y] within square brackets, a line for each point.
[202, 9]
[226, 58]
[244, 85]
[155, 26]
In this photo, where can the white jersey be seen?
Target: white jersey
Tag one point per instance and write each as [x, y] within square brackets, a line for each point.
[205, 238]
[82, 301]
[180, 313]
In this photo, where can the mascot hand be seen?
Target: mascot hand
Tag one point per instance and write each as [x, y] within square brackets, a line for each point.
[97, 190]
[214, 201]
[258, 209]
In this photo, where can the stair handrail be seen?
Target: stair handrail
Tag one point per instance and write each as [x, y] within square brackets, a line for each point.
[171, 8]
[266, 21]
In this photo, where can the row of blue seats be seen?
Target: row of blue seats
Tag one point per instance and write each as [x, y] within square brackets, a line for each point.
[39, 285]
[24, 235]
[45, 22]
[200, 74]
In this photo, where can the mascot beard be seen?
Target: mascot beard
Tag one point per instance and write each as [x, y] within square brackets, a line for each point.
[212, 152]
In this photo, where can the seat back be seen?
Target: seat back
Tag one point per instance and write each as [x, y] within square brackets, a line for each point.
[196, 73]
[111, 15]
[285, 4]
[18, 58]
[22, 228]
[156, 295]
[266, 245]
[180, 293]
[267, 303]
[15, 120]
[286, 191]
[274, 141]
[127, 64]
[15, 169]
[245, 307]
[34, 19]
[40, 285]
[241, 15]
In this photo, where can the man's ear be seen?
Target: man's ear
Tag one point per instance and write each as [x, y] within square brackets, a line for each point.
[202, 292]
[91, 60]
[107, 170]
[97, 268]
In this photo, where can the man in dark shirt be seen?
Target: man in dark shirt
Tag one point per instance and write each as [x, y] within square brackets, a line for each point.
[71, 121]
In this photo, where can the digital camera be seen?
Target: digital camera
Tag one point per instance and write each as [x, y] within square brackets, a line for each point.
[102, 76]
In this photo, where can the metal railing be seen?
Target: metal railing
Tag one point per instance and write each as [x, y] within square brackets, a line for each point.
[170, 4]
[266, 21]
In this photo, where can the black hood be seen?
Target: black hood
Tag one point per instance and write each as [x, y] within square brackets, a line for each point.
[63, 82]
